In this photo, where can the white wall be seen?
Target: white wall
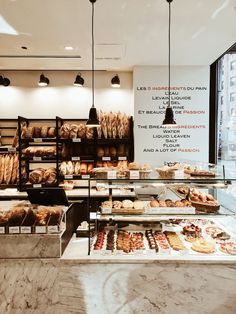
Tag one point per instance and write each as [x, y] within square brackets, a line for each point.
[24, 97]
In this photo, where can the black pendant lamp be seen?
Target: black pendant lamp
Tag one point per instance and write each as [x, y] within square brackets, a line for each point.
[93, 117]
[169, 114]
[79, 81]
[43, 80]
[4, 81]
[115, 81]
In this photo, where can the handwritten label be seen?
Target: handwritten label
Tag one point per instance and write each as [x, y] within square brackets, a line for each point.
[2, 230]
[35, 158]
[68, 176]
[118, 252]
[106, 158]
[85, 176]
[76, 140]
[106, 210]
[75, 158]
[122, 158]
[37, 185]
[134, 174]
[14, 229]
[38, 140]
[111, 175]
[53, 229]
[40, 229]
[93, 216]
[25, 229]
[12, 149]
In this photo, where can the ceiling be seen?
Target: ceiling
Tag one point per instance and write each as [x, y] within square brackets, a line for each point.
[127, 33]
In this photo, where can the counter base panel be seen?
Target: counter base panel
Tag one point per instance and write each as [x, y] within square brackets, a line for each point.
[53, 286]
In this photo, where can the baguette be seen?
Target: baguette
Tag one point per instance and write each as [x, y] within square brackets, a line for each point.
[2, 159]
[15, 169]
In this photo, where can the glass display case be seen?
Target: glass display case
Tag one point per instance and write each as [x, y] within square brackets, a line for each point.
[171, 212]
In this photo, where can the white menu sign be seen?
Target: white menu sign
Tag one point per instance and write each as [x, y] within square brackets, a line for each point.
[189, 138]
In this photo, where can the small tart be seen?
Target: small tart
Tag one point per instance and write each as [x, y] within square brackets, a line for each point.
[203, 246]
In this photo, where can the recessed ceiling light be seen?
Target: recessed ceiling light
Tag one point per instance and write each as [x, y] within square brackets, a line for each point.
[68, 48]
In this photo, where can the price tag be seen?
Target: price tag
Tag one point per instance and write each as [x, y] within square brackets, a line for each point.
[122, 158]
[37, 158]
[96, 252]
[25, 229]
[93, 215]
[38, 140]
[12, 149]
[53, 229]
[106, 210]
[40, 229]
[68, 176]
[134, 174]
[76, 140]
[2, 230]
[151, 252]
[111, 175]
[37, 185]
[106, 158]
[118, 252]
[179, 174]
[14, 229]
[138, 252]
[85, 176]
[75, 158]
[106, 252]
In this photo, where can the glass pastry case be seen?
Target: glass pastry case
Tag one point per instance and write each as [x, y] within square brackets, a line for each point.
[166, 213]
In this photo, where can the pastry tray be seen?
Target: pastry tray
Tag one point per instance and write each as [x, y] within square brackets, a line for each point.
[170, 251]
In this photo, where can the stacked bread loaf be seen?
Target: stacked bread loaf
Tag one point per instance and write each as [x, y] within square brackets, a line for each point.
[37, 132]
[72, 131]
[40, 151]
[75, 168]
[9, 166]
[40, 175]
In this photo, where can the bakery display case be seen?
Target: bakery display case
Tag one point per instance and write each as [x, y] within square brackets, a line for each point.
[169, 216]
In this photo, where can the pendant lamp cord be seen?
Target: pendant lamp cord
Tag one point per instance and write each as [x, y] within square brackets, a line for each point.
[169, 52]
[92, 55]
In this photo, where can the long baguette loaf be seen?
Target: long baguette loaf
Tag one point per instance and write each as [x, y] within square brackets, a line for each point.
[15, 169]
[1, 168]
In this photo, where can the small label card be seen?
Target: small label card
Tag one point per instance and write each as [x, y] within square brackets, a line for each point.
[2, 230]
[75, 158]
[134, 174]
[93, 216]
[76, 140]
[53, 229]
[15, 229]
[40, 229]
[119, 252]
[68, 176]
[151, 252]
[25, 229]
[85, 176]
[38, 140]
[111, 175]
[12, 149]
[122, 158]
[106, 210]
[106, 158]
[37, 185]
[35, 158]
